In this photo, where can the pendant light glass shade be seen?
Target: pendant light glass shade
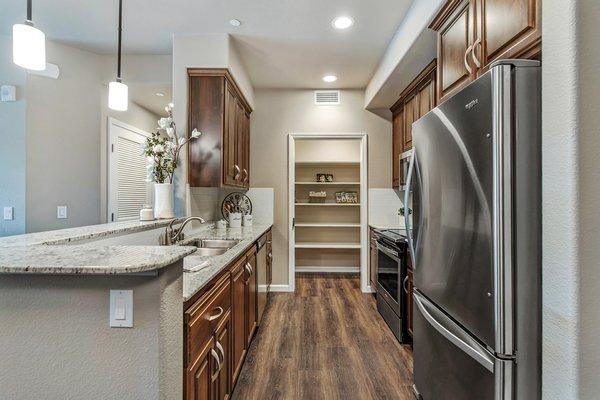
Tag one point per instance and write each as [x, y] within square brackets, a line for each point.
[29, 47]
[117, 96]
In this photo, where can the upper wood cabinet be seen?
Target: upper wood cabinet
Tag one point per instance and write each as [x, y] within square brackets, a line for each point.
[415, 101]
[217, 108]
[474, 33]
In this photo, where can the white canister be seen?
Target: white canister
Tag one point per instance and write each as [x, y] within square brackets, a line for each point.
[247, 220]
[147, 213]
[163, 201]
[235, 220]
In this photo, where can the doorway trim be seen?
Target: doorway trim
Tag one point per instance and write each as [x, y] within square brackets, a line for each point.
[364, 196]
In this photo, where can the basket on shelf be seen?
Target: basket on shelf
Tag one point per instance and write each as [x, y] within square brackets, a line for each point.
[346, 197]
[317, 197]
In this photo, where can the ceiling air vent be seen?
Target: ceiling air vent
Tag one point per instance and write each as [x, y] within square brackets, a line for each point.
[327, 97]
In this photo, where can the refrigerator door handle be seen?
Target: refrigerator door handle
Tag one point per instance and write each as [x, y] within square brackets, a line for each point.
[411, 248]
[455, 334]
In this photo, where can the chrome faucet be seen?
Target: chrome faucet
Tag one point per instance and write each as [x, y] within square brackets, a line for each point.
[172, 236]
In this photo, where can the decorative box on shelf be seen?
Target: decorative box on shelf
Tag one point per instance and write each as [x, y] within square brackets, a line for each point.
[346, 197]
[317, 197]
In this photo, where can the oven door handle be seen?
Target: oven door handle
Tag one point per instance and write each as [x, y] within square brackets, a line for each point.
[389, 252]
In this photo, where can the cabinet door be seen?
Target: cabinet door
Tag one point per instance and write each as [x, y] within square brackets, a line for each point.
[251, 302]
[238, 309]
[199, 384]
[247, 149]
[509, 29]
[230, 172]
[239, 143]
[397, 145]
[455, 36]
[426, 97]
[409, 118]
[409, 303]
[223, 347]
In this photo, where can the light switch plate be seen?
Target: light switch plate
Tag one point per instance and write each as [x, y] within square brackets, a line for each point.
[121, 309]
[9, 213]
[61, 212]
[8, 93]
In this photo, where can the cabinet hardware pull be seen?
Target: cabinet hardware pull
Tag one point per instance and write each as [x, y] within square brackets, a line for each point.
[473, 56]
[214, 355]
[222, 353]
[271, 256]
[404, 285]
[217, 315]
[237, 173]
[467, 66]
[245, 173]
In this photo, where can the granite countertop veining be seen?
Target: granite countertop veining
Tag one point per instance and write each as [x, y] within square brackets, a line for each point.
[47, 252]
[195, 281]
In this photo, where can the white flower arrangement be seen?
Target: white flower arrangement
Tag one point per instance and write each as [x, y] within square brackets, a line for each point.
[162, 149]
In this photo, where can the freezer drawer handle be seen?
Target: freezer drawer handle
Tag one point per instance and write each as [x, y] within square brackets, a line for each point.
[465, 343]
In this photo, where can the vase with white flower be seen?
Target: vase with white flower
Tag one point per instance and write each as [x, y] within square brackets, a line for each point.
[162, 150]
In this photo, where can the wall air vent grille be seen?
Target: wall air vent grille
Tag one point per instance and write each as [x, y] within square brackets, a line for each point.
[327, 97]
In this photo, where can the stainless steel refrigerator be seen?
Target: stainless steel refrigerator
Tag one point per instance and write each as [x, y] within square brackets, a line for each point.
[475, 237]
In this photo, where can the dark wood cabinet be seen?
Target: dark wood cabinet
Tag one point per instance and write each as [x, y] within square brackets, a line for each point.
[474, 33]
[269, 260]
[252, 292]
[220, 323]
[238, 302]
[218, 109]
[415, 101]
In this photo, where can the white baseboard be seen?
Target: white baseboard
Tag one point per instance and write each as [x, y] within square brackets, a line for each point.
[317, 269]
[280, 288]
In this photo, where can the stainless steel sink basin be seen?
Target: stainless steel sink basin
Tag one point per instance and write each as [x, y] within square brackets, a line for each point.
[210, 251]
[217, 243]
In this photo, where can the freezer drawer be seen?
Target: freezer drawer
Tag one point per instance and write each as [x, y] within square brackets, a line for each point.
[450, 364]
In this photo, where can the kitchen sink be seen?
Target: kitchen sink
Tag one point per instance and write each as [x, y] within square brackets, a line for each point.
[218, 243]
[210, 251]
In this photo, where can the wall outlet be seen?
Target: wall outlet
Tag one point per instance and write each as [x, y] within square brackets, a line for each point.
[121, 309]
[9, 214]
[61, 212]
[8, 93]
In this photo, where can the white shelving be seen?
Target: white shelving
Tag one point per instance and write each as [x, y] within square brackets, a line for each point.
[325, 245]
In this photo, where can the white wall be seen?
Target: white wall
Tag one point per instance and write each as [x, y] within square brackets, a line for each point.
[13, 151]
[571, 190]
[280, 112]
[63, 123]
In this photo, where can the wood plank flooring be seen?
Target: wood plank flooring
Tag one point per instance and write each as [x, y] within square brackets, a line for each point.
[326, 341]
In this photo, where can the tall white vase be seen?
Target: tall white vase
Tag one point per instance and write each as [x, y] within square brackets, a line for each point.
[163, 201]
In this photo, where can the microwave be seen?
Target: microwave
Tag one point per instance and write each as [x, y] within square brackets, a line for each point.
[403, 165]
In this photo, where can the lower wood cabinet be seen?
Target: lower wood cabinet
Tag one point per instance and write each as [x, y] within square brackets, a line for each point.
[220, 323]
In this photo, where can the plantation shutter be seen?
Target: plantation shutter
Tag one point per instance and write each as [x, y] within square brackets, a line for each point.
[129, 190]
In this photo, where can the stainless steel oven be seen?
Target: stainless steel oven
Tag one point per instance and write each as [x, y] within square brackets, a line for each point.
[404, 164]
[391, 271]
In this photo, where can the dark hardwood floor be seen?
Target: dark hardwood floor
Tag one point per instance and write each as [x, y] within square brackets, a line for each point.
[326, 341]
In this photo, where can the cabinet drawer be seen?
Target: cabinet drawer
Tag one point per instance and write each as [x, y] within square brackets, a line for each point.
[204, 316]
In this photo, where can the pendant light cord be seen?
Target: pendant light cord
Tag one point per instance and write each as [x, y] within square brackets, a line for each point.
[29, 12]
[120, 30]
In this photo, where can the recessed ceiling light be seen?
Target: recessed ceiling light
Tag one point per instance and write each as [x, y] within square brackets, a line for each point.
[160, 94]
[330, 78]
[235, 22]
[342, 22]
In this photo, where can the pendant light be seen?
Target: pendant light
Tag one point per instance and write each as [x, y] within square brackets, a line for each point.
[29, 44]
[118, 91]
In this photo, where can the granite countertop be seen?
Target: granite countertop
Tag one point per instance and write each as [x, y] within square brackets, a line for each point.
[195, 281]
[47, 252]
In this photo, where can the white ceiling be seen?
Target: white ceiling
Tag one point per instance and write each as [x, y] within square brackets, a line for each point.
[144, 94]
[283, 43]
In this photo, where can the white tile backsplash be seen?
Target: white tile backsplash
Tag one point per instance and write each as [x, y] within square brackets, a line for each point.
[383, 208]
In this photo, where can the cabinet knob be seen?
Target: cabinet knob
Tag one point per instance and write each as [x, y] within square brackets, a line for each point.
[473, 56]
[245, 174]
[222, 354]
[404, 285]
[215, 356]
[237, 172]
[467, 66]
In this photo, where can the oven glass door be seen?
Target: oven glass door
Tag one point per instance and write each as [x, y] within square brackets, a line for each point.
[388, 270]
